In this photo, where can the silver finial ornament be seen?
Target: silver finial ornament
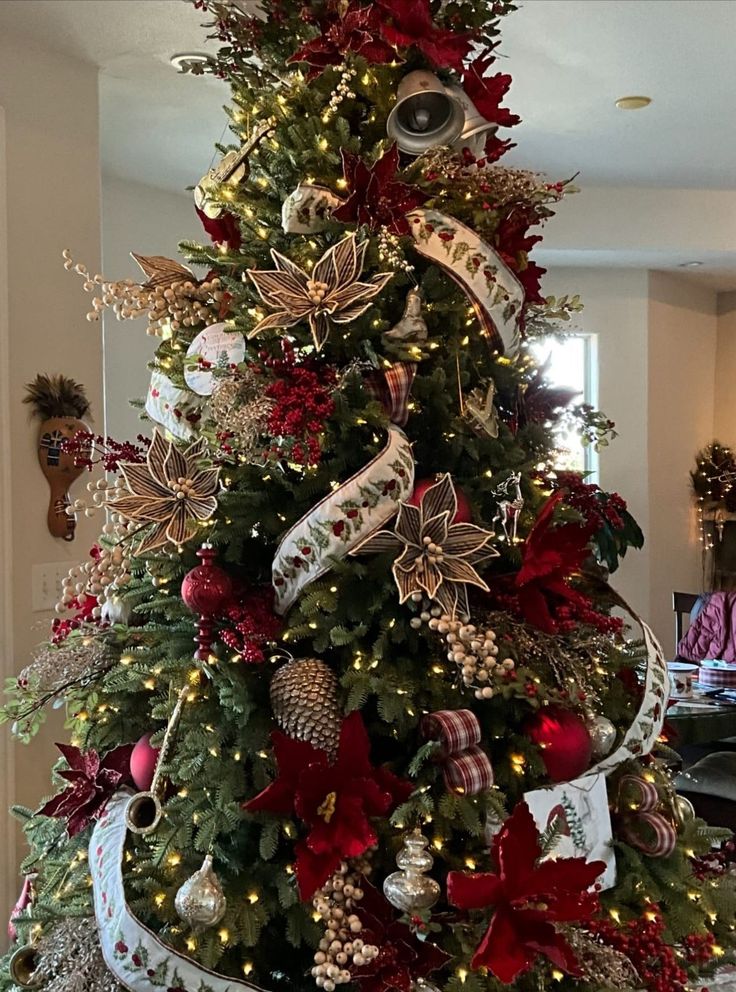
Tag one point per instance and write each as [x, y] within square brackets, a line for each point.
[200, 902]
[409, 889]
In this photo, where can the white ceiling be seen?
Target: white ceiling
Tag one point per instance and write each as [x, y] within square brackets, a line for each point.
[570, 59]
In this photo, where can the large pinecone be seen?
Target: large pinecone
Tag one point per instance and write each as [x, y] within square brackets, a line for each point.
[304, 701]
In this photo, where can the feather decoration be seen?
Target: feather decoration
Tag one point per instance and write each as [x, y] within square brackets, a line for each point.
[56, 396]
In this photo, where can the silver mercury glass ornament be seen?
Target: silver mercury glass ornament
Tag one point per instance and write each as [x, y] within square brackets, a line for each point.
[200, 902]
[602, 735]
[409, 889]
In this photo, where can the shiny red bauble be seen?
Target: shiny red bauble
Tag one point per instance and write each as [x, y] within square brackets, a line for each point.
[143, 760]
[463, 515]
[564, 741]
[207, 588]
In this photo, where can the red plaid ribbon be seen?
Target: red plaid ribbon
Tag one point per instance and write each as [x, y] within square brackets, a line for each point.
[392, 387]
[718, 677]
[641, 825]
[466, 767]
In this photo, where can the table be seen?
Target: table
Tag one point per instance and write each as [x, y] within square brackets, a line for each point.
[703, 726]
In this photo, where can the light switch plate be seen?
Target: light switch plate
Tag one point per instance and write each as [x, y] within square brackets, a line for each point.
[46, 582]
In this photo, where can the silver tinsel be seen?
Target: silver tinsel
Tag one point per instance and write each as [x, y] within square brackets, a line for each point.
[70, 960]
[238, 407]
[72, 663]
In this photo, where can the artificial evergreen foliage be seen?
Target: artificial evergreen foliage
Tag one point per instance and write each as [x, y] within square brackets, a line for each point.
[390, 662]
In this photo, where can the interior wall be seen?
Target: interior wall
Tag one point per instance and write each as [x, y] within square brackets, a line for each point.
[150, 222]
[616, 310]
[682, 371]
[724, 422]
[51, 173]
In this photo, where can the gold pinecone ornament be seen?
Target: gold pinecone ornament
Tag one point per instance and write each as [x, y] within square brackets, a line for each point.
[304, 702]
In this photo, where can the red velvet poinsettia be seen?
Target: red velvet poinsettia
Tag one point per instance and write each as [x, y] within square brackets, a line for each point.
[376, 197]
[356, 30]
[93, 780]
[549, 557]
[222, 230]
[487, 92]
[527, 897]
[409, 24]
[513, 243]
[402, 957]
[334, 799]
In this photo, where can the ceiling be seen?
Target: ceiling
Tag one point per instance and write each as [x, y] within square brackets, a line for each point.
[570, 59]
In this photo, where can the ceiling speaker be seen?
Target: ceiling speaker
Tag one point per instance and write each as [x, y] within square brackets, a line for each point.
[426, 114]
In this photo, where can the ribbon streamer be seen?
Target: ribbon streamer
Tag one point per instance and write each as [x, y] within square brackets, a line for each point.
[133, 953]
[640, 824]
[392, 387]
[466, 767]
[495, 293]
[344, 518]
[646, 727]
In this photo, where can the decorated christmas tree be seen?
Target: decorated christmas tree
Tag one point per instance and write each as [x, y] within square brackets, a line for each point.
[350, 699]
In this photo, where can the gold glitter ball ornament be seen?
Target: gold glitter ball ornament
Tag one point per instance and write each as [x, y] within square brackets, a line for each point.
[200, 902]
[304, 702]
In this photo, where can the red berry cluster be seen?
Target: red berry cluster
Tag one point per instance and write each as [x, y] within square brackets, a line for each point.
[595, 505]
[302, 398]
[716, 863]
[61, 629]
[94, 449]
[251, 623]
[699, 947]
[641, 940]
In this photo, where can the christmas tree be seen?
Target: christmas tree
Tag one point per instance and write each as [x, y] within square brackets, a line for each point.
[350, 699]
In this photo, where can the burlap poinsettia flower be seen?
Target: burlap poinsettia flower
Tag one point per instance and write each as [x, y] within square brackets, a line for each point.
[332, 292]
[171, 491]
[437, 556]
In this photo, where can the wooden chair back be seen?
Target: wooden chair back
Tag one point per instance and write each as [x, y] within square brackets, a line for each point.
[682, 604]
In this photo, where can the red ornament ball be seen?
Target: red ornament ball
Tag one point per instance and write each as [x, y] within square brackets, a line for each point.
[463, 515]
[207, 588]
[143, 760]
[564, 741]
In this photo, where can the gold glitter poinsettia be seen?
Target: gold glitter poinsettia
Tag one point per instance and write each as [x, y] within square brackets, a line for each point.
[332, 292]
[437, 556]
[171, 491]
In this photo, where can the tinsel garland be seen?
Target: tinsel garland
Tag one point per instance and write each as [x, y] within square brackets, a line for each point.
[70, 959]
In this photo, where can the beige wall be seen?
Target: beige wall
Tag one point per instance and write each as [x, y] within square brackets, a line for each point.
[724, 426]
[50, 181]
[682, 371]
[150, 222]
[658, 340]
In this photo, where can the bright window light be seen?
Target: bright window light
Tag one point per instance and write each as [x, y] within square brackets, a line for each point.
[572, 364]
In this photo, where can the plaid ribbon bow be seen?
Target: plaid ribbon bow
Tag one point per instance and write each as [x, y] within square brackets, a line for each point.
[640, 824]
[466, 767]
[391, 387]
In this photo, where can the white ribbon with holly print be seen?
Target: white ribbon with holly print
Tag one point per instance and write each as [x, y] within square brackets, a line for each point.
[642, 735]
[133, 953]
[495, 293]
[344, 518]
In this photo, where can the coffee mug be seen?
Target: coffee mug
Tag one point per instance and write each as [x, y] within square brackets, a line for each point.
[682, 674]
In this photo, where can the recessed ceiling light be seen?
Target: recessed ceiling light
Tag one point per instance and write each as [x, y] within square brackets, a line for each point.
[184, 61]
[633, 102]
[689, 265]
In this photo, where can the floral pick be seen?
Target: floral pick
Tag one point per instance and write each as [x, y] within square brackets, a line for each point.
[376, 197]
[335, 800]
[333, 293]
[437, 557]
[92, 781]
[171, 490]
[528, 897]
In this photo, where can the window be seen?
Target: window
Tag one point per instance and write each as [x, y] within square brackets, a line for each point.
[572, 364]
